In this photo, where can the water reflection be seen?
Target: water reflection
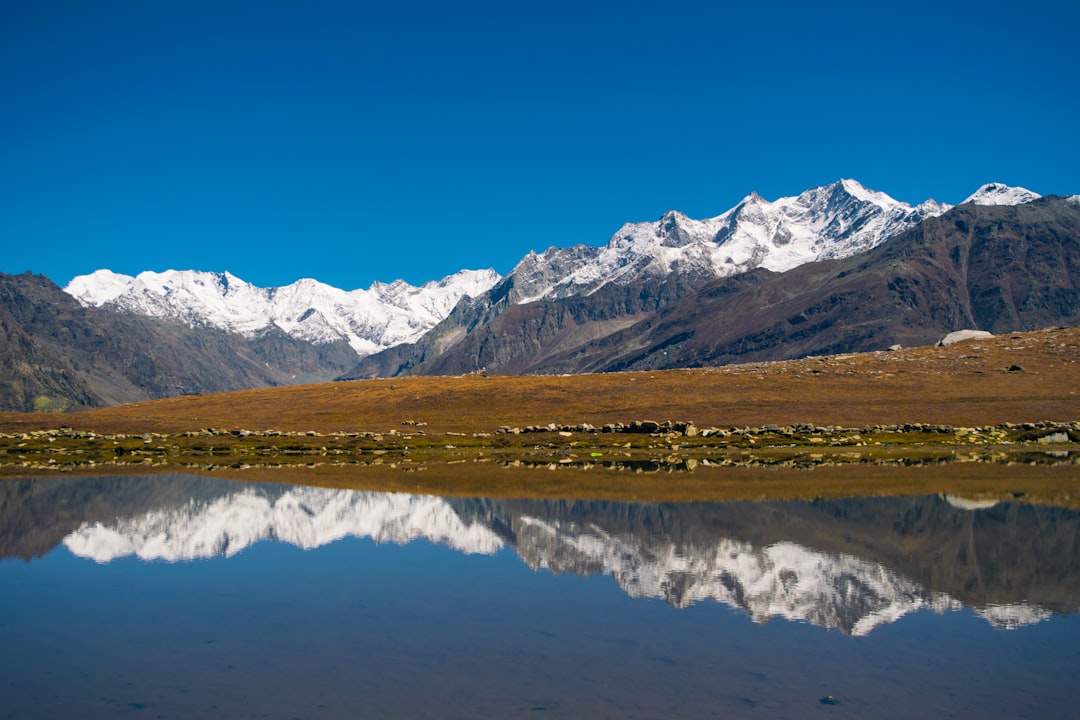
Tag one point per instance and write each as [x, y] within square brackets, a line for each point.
[851, 565]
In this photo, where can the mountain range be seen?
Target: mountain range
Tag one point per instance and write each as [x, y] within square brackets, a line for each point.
[856, 272]
[837, 268]
[999, 269]
[382, 316]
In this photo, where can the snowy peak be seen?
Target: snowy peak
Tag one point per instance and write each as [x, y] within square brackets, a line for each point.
[198, 298]
[999, 194]
[99, 287]
[369, 320]
[857, 191]
[677, 230]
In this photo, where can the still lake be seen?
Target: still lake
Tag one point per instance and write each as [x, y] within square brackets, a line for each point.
[178, 596]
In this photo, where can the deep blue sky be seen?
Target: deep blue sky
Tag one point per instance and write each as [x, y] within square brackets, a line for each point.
[353, 142]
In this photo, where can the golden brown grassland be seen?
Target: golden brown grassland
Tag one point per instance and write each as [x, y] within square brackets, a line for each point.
[861, 421]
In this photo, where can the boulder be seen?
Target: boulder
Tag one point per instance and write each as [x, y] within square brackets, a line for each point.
[961, 335]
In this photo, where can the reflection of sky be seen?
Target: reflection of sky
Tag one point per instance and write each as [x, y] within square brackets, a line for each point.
[353, 628]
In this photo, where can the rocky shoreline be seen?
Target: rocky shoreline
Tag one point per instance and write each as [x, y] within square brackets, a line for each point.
[671, 445]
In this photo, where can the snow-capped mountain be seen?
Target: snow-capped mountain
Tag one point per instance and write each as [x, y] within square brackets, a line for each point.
[782, 579]
[833, 221]
[829, 222]
[384, 315]
[998, 194]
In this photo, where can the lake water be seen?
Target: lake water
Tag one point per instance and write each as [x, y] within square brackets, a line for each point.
[189, 597]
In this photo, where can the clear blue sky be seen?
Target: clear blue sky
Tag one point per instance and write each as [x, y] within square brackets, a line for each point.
[353, 141]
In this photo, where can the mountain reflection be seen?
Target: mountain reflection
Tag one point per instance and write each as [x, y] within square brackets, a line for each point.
[850, 565]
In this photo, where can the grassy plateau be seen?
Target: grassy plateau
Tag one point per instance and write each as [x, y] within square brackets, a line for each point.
[982, 418]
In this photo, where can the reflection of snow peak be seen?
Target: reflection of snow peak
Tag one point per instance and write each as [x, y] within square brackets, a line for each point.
[305, 517]
[782, 580]
[966, 504]
[1010, 617]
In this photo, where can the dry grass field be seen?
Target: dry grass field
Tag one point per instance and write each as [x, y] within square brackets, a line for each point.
[441, 434]
[964, 384]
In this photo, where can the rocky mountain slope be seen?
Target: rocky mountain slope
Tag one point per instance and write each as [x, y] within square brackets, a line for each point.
[981, 265]
[994, 268]
[60, 355]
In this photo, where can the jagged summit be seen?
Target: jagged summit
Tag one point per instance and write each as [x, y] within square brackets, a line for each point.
[860, 192]
[831, 221]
